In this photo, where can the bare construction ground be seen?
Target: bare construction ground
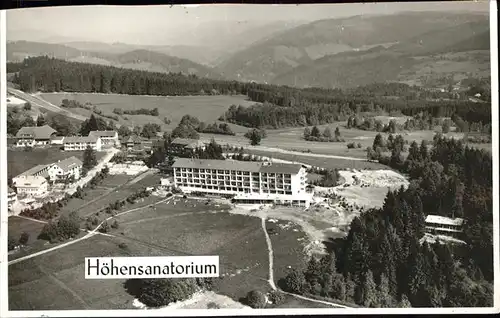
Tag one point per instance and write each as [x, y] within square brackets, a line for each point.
[330, 218]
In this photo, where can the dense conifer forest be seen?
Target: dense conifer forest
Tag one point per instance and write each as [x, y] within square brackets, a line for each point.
[383, 261]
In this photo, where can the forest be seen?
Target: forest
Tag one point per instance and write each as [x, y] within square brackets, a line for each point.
[277, 106]
[384, 263]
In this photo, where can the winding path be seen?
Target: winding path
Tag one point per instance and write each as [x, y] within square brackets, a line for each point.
[271, 273]
[88, 235]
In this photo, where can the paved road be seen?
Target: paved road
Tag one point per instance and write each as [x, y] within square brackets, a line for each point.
[39, 102]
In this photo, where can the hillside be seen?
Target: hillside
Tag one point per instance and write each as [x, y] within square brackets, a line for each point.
[113, 55]
[302, 46]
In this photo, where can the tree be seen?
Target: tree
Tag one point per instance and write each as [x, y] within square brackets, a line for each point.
[161, 292]
[384, 295]
[124, 131]
[404, 303]
[149, 130]
[295, 282]
[40, 120]
[89, 158]
[315, 132]
[92, 124]
[11, 243]
[338, 287]
[255, 136]
[327, 133]
[276, 297]
[307, 133]
[337, 132]
[378, 142]
[256, 299]
[367, 291]
[27, 106]
[63, 125]
[25, 237]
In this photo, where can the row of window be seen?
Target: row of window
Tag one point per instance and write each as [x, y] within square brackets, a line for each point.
[232, 172]
[234, 183]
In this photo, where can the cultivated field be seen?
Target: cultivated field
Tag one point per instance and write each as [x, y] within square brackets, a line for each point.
[19, 160]
[206, 108]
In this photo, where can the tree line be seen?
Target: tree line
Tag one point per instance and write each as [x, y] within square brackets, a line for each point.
[284, 106]
[385, 262]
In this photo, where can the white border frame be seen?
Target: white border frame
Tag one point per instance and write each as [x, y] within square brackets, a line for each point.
[4, 312]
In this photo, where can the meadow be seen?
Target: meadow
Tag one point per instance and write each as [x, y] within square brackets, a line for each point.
[206, 108]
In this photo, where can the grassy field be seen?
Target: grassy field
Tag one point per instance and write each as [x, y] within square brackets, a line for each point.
[191, 227]
[19, 161]
[287, 249]
[17, 226]
[206, 108]
[329, 163]
[56, 279]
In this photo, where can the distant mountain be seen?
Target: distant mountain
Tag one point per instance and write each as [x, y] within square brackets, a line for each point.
[302, 45]
[116, 55]
[440, 53]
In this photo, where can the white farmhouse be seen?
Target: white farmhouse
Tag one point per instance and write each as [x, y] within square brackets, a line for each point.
[440, 225]
[68, 168]
[34, 136]
[109, 138]
[81, 143]
[31, 186]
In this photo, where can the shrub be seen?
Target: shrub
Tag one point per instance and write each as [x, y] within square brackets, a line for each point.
[256, 299]
[25, 237]
[104, 227]
[295, 282]
[161, 292]
[115, 224]
[351, 145]
[276, 297]
[11, 243]
[122, 245]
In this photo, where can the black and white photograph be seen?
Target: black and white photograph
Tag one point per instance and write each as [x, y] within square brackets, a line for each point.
[250, 159]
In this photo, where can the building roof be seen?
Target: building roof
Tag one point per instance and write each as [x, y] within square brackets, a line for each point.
[34, 170]
[80, 139]
[249, 166]
[69, 163]
[274, 167]
[103, 133]
[132, 138]
[443, 220]
[43, 132]
[30, 181]
[57, 138]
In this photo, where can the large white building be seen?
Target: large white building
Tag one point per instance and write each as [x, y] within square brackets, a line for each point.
[81, 143]
[34, 136]
[440, 225]
[11, 198]
[247, 182]
[68, 168]
[31, 186]
[109, 138]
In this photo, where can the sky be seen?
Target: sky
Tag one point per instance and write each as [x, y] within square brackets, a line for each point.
[171, 24]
